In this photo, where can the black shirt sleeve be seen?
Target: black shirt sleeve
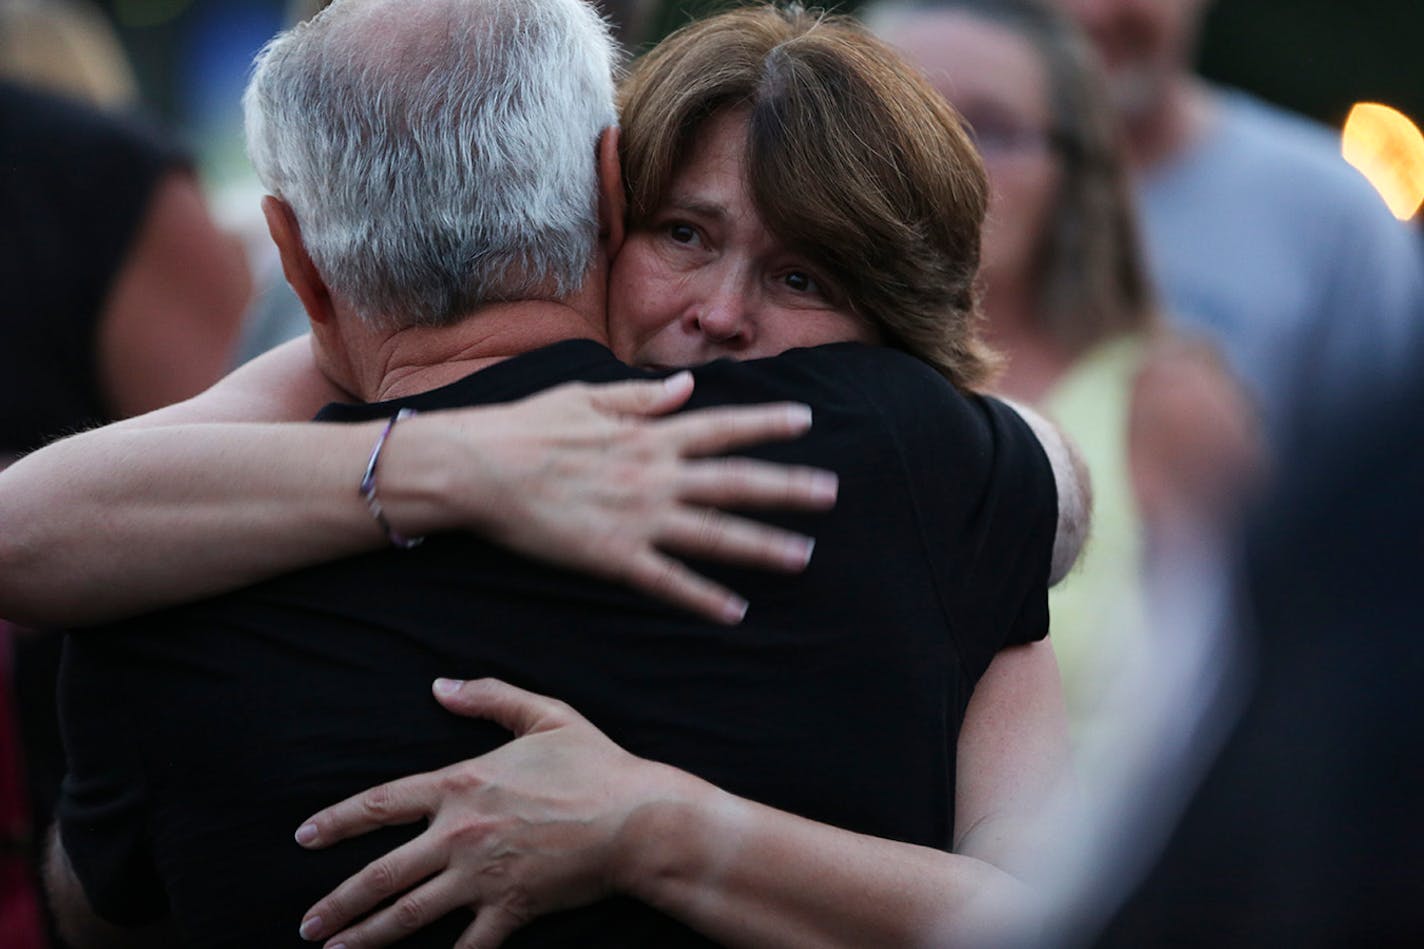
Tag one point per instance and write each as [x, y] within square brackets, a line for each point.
[1024, 504]
[981, 506]
[986, 501]
[104, 803]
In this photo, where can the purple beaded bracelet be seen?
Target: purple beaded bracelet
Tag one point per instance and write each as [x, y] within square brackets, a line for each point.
[368, 486]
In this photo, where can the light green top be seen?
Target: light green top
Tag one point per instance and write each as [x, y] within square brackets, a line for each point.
[1097, 611]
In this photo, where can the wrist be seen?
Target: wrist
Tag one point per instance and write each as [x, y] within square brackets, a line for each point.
[417, 478]
[674, 838]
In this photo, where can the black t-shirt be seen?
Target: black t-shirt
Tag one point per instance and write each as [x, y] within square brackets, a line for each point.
[201, 737]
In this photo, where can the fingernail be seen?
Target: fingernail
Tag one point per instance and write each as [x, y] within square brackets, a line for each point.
[800, 554]
[311, 928]
[676, 380]
[305, 835]
[799, 416]
[825, 486]
[735, 611]
[339, 945]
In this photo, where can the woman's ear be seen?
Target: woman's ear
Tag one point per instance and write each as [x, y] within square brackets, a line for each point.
[297, 265]
[612, 204]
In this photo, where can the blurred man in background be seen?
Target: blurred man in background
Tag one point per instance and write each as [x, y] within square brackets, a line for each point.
[1261, 237]
[122, 295]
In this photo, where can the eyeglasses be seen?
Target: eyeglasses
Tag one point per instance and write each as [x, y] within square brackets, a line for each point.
[996, 138]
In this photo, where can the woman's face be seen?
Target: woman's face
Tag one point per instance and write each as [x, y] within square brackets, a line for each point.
[706, 279]
[995, 79]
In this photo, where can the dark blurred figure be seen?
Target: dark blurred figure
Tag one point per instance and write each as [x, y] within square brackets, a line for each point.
[1260, 235]
[121, 296]
[68, 47]
[1308, 830]
[631, 19]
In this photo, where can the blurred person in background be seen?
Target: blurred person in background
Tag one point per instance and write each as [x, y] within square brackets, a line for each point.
[1299, 670]
[67, 47]
[122, 296]
[1306, 828]
[1259, 234]
[1168, 437]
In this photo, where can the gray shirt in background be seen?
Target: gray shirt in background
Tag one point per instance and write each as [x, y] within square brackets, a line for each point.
[1263, 240]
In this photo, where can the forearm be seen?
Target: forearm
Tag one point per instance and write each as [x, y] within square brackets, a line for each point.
[124, 519]
[749, 875]
[180, 504]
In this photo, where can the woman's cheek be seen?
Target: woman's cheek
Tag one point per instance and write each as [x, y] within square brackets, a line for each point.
[636, 299]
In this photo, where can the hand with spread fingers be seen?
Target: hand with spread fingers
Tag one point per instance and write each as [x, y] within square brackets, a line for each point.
[532, 827]
[588, 479]
[561, 816]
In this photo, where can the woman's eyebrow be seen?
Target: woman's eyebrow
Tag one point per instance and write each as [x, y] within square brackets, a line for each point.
[698, 206]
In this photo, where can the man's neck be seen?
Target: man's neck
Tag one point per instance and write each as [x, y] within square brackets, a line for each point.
[1172, 125]
[391, 365]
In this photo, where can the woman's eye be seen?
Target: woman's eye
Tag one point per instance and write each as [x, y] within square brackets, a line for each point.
[801, 281]
[682, 233]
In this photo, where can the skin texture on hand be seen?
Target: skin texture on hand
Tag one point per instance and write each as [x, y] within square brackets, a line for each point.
[532, 827]
[584, 477]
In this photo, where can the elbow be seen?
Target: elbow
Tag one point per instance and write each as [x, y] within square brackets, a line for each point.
[24, 563]
[17, 561]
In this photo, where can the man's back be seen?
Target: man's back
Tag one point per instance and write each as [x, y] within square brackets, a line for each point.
[202, 737]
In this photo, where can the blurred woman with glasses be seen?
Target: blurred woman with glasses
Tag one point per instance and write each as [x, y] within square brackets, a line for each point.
[1165, 434]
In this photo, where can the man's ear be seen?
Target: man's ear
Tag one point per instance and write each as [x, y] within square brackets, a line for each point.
[297, 265]
[612, 203]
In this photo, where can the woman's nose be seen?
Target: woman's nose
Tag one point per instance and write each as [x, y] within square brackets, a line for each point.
[726, 316]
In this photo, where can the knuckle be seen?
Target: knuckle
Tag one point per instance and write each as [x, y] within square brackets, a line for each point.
[461, 780]
[516, 906]
[710, 529]
[660, 577]
[378, 802]
[383, 876]
[471, 833]
[409, 912]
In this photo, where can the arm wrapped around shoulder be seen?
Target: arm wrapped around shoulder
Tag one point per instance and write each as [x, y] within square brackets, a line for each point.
[1075, 490]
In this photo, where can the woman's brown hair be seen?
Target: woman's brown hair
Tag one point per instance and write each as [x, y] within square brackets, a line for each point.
[852, 158]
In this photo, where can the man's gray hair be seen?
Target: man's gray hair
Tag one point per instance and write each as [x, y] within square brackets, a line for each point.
[440, 154]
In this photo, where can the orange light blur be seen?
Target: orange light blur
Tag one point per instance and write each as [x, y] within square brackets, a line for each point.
[1389, 150]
